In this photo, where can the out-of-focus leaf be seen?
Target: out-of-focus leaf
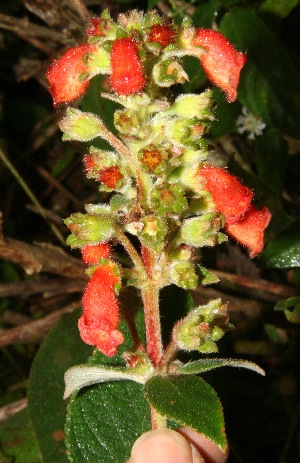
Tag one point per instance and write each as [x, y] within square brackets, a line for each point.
[17, 441]
[291, 308]
[271, 159]
[189, 401]
[275, 334]
[204, 15]
[61, 349]
[281, 8]
[284, 250]
[226, 115]
[269, 85]
[63, 161]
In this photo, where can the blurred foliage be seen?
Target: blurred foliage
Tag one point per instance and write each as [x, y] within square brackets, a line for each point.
[262, 415]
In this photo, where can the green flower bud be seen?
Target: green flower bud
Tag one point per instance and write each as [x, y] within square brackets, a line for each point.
[80, 126]
[127, 122]
[154, 232]
[202, 230]
[202, 327]
[190, 105]
[183, 275]
[88, 229]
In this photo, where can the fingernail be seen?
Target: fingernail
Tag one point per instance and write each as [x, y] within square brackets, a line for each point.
[163, 446]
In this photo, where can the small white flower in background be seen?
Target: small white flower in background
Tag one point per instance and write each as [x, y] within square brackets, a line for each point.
[248, 122]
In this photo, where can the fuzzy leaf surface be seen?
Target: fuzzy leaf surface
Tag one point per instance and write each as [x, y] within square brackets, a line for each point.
[200, 366]
[189, 401]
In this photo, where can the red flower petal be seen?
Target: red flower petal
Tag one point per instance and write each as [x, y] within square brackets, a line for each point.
[221, 62]
[63, 75]
[100, 311]
[249, 231]
[110, 176]
[231, 198]
[92, 253]
[162, 34]
[127, 75]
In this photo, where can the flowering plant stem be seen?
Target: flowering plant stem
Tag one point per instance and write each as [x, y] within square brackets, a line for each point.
[163, 200]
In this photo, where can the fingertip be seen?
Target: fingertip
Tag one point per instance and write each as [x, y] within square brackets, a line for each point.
[163, 446]
[210, 451]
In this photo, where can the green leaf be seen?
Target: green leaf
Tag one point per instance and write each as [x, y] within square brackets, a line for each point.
[17, 441]
[226, 115]
[291, 308]
[105, 420]
[61, 349]
[281, 8]
[269, 85]
[206, 364]
[189, 401]
[284, 250]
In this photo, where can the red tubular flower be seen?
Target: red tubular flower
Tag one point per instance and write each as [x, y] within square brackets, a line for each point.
[92, 253]
[63, 75]
[127, 75]
[162, 34]
[221, 62]
[249, 231]
[231, 198]
[100, 317]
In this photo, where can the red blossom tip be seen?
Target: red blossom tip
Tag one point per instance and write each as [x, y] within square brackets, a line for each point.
[249, 231]
[221, 62]
[231, 198]
[162, 34]
[127, 75]
[99, 322]
[92, 253]
[63, 75]
[94, 28]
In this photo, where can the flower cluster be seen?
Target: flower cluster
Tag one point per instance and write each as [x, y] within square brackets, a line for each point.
[163, 192]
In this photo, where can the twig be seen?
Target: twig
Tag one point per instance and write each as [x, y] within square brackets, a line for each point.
[35, 330]
[260, 289]
[31, 196]
[50, 286]
[35, 258]
[11, 409]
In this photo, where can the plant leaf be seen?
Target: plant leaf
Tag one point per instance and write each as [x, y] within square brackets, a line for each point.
[281, 8]
[284, 250]
[85, 375]
[17, 441]
[189, 401]
[268, 65]
[200, 366]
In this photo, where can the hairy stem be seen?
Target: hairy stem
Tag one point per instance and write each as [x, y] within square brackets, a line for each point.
[150, 298]
[132, 252]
